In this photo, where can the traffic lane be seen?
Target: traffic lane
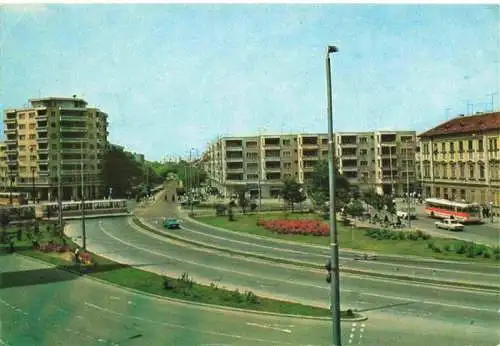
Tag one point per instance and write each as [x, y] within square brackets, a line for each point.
[135, 235]
[109, 315]
[420, 270]
[298, 285]
[106, 315]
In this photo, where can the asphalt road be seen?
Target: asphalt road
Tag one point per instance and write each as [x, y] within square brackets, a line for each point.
[400, 265]
[124, 242]
[41, 305]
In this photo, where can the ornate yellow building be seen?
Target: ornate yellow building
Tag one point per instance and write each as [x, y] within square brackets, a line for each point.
[460, 159]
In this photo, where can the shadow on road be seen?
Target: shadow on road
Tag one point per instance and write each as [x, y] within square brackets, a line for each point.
[49, 275]
[62, 272]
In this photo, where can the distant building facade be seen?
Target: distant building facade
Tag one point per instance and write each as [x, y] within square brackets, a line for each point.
[379, 160]
[54, 133]
[460, 160]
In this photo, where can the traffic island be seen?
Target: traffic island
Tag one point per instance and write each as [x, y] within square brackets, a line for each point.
[307, 228]
[183, 288]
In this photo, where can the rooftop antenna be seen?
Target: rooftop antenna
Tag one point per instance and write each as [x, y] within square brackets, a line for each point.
[470, 106]
[492, 103]
[447, 112]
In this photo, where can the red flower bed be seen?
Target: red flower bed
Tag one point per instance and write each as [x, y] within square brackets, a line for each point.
[305, 227]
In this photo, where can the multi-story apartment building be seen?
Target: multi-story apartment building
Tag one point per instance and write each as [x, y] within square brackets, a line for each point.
[54, 133]
[459, 159]
[376, 160]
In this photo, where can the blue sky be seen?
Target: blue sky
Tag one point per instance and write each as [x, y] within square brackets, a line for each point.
[176, 76]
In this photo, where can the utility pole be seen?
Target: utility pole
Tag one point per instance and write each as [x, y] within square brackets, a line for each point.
[59, 177]
[259, 167]
[82, 166]
[334, 259]
[408, 189]
[190, 181]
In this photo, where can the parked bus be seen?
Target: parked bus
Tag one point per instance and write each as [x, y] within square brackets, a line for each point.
[74, 208]
[444, 209]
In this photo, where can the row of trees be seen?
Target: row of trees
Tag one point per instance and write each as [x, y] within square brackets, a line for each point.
[126, 176]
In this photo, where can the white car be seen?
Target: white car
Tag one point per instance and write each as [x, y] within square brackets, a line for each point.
[449, 224]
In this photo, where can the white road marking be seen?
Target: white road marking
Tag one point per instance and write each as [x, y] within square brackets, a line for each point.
[268, 327]
[179, 326]
[114, 298]
[464, 307]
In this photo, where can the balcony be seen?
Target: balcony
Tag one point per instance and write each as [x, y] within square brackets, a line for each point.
[43, 150]
[42, 128]
[12, 140]
[234, 159]
[42, 139]
[72, 139]
[234, 170]
[10, 130]
[73, 118]
[350, 168]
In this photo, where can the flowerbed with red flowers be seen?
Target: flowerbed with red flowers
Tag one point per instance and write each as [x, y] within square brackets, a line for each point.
[303, 227]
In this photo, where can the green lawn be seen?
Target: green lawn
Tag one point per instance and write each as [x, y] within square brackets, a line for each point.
[351, 238]
[184, 289]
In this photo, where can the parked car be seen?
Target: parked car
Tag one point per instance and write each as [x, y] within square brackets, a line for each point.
[449, 224]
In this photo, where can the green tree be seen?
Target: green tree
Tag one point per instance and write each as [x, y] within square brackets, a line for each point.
[242, 201]
[355, 208]
[318, 186]
[293, 192]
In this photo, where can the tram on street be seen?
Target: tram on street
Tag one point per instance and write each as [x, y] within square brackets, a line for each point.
[74, 208]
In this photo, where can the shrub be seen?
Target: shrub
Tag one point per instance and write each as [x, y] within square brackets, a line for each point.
[220, 209]
[447, 247]
[253, 206]
[487, 254]
[437, 249]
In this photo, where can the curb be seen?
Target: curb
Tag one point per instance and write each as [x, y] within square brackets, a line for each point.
[145, 225]
[187, 302]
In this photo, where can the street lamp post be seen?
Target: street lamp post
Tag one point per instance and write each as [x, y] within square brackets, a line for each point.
[12, 178]
[335, 280]
[408, 190]
[82, 166]
[33, 169]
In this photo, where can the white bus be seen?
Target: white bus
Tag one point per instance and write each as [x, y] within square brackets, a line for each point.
[445, 209]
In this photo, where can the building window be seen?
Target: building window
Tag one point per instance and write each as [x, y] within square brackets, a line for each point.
[32, 136]
[452, 147]
[443, 147]
[470, 145]
[480, 145]
[22, 126]
[471, 171]
[462, 171]
[463, 195]
[22, 137]
[287, 154]
[481, 171]
[461, 146]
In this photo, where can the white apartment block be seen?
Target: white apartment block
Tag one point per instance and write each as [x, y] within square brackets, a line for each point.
[377, 160]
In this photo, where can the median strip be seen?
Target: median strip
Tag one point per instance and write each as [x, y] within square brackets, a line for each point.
[152, 229]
